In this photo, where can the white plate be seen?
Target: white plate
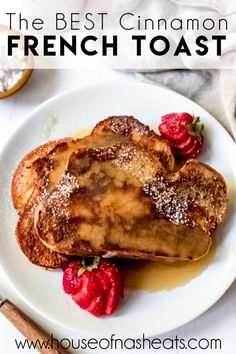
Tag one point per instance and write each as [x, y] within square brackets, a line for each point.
[152, 313]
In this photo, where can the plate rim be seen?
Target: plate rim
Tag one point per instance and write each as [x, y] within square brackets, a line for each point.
[105, 84]
[67, 93]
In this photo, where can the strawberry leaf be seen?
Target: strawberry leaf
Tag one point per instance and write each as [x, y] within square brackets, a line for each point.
[89, 267]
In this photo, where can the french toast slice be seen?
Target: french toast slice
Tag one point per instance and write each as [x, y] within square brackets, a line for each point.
[33, 248]
[195, 196]
[40, 170]
[112, 193]
[32, 172]
[116, 201]
[139, 133]
[35, 176]
[31, 175]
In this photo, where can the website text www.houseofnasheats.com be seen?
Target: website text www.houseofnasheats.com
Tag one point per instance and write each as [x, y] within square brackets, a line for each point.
[115, 343]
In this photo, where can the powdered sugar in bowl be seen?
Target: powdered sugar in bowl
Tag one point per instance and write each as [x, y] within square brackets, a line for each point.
[15, 70]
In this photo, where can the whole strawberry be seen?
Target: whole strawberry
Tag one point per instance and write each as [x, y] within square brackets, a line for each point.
[96, 288]
[183, 132]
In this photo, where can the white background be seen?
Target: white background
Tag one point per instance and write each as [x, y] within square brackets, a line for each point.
[217, 322]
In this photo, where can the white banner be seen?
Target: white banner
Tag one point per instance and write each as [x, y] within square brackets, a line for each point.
[125, 34]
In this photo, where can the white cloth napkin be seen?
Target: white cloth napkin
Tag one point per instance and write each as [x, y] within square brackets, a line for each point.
[223, 7]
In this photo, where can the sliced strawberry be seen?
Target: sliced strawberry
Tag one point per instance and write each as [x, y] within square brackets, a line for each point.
[103, 279]
[113, 273]
[168, 117]
[116, 291]
[113, 299]
[97, 306]
[196, 152]
[183, 145]
[187, 151]
[71, 281]
[178, 117]
[96, 287]
[89, 290]
[174, 132]
[185, 118]
[183, 133]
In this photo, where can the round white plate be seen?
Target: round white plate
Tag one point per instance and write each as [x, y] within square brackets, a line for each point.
[152, 313]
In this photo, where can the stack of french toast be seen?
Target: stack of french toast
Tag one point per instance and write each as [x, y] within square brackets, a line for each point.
[114, 193]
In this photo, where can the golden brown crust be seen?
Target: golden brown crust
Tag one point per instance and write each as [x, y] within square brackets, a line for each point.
[33, 248]
[138, 133]
[25, 178]
[32, 180]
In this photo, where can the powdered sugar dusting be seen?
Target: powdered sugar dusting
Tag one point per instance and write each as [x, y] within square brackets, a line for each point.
[67, 185]
[61, 194]
[170, 203]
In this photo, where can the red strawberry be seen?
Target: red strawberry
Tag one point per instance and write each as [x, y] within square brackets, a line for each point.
[184, 145]
[90, 289]
[117, 289]
[182, 117]
[101, 286]
[72, 283]
[168, 117]
[196, 152]
[187, 151]
[173, 132]
[183, 132]
[103, 278]
[98, 306]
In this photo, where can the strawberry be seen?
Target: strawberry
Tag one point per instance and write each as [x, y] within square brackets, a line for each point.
[98, 306]
[183, 133]
[72, 283]
[96, 288]
[173, 133]
[168, 117]
[117, 281]
[182, 117]
[185, 144]
[186, 151]
[90, 286]
[195, 152]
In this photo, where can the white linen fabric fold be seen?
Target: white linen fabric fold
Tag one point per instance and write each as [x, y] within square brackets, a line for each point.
[223, 7]
[215, 90]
